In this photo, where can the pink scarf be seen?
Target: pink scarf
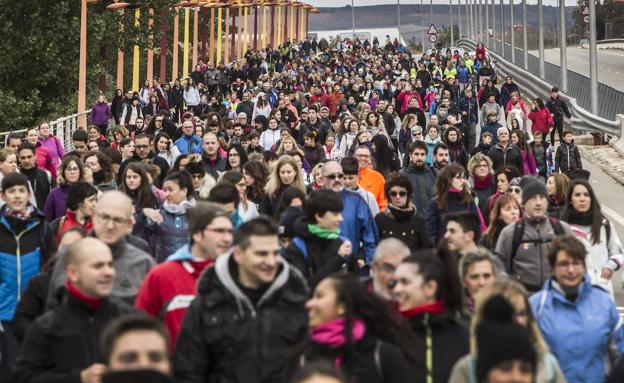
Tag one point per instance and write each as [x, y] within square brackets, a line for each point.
[332, 334]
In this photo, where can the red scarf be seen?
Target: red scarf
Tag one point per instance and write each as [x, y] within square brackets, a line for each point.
[92, 303]
[434, 308]
[483, 183]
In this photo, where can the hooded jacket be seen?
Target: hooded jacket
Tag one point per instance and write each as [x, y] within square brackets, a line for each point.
[169, 288]
[578, 332]
[172, 233]
[567, 158]
[25, 245]
[358, 224]
[225, 337]
[423, 182]
[322, 257]
[404, 225]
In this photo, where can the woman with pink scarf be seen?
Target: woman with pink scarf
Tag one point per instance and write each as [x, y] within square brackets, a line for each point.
[358, 334]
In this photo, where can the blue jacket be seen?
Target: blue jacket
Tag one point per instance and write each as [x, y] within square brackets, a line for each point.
[358, 224]
[25, 245]
[170, 235]
[469, 105]
[463, 75]
[578, 332]
[189, 144]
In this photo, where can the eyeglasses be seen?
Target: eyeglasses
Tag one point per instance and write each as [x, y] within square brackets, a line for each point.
[141, 146]
[234, 154]
[395, 193]
[197, 176]
[363, 155]
[460, 177]
[159, 120]
[515, 190]
[334, 176]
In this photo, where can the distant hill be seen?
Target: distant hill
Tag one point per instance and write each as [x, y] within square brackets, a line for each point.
[382, 16]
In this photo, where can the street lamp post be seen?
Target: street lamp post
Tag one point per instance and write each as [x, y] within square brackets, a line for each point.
[593, 61]
[353, 18]
[512, 31]
[563, 47]
[540, 37]
[524, 36]
[451, 22]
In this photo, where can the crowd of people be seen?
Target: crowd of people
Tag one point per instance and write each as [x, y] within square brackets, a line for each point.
[310, 213]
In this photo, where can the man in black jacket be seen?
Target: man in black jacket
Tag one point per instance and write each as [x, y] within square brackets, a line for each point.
[212, 161]
[142, 151]
[62, 345]
[558, 108]
[248, 314]
[40, 180]
[504, 152]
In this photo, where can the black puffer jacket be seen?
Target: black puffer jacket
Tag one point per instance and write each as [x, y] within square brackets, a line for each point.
[406, 226]
[322, 254]
[65, 341]
[369, 361]
[449, 342]
[227, 337]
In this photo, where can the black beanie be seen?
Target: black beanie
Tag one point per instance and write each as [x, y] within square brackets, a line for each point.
[500, 338]
[135, 376]
[532, 186]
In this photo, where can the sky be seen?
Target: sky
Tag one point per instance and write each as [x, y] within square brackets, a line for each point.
[342, 3]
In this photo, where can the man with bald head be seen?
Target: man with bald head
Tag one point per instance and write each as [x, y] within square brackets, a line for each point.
[112, 223]
[62, 345]
[358, 224]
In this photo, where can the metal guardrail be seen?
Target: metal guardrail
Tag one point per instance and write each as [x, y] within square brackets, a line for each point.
[534, 86]
[63, 128]
[610, 100]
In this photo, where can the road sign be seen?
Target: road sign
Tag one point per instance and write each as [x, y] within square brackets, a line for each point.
[585, 11]
[433, 38]
[491, 32]
[586, 19]
[432, 30]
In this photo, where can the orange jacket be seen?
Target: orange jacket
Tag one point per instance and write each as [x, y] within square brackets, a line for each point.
[373, 181]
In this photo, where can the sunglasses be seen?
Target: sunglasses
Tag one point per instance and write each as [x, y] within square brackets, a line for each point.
[334, 176]
[395, 194]
[515, 190]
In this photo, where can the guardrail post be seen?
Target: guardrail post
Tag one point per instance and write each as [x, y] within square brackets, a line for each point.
[540, 38]
[563, 47]
[619, 143]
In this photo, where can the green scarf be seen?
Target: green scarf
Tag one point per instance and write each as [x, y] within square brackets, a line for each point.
[323, 233]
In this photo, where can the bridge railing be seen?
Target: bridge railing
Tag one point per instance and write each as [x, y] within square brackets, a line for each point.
[63, 128]
[610, 100]
[534, 86]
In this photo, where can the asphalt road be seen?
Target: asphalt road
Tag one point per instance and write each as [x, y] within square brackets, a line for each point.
[610, 64]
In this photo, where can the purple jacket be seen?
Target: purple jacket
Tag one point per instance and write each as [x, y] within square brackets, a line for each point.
[100, 113]
[55, 148]
[56, 203]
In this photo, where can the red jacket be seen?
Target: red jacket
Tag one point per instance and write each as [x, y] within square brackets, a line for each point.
[169, 288]
[404, 98]
[43, 160]
[541, 120]
[322, 99]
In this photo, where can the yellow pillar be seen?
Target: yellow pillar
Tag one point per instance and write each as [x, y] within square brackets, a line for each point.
[291, 28]
[135, 58]
[176, 38]
[212, 36]
[185, 45]
[120, 57]
[219, 18]
[246, 35]
[195, 35]
[150, 46]
[228, 41]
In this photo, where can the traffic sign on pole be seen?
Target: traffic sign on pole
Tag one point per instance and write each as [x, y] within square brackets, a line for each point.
[585, 11]
[432, 30]
[433, 38]
[586, 19]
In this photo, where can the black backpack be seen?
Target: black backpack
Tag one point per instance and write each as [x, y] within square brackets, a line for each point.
[519, 232]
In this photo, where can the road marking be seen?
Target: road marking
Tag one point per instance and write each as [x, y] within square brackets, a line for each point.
[613, 214]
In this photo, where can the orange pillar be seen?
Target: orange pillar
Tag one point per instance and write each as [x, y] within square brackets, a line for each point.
[176, 39]
[82, 69]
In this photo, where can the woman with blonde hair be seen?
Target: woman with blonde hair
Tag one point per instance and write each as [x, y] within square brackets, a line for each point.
[481, 180]
[548, 370]
[286, 172]
[288, 145]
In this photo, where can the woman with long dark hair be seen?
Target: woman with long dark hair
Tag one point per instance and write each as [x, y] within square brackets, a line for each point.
[136, 184]
[358, 333]
[385, 159]
[256, 174]
[604, 249]
[429, 296]
[502, 178]
[528, 159]
[451, 195]
[70, 171]
[236, 158]
[557, 186]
